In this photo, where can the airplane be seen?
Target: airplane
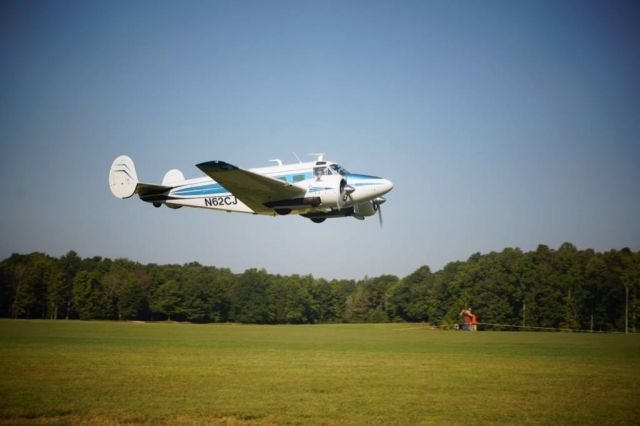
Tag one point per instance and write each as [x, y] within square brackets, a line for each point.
[317, 190]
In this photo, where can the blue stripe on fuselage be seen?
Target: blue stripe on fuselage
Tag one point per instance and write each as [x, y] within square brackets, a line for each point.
[206, 189]
[359, 176]
[365, 183]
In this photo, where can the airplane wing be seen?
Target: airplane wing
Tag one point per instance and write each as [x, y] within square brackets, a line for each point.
[260, 193]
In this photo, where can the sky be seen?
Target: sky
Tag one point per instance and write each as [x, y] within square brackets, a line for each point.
[500, 123]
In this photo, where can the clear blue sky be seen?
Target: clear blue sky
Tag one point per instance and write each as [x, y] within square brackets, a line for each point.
[500, 123]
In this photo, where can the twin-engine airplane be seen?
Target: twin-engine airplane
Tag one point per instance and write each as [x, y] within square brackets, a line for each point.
[316, 190]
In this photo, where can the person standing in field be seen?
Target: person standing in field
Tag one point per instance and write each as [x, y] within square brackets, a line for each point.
[473, 320]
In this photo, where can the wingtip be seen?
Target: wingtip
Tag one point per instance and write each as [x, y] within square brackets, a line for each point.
[216, 166]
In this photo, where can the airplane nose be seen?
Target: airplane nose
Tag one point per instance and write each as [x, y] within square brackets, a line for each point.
[387, 185]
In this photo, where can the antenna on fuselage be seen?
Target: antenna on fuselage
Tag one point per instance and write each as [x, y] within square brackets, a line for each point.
[277, 161]
[297, 158]
[320, 155]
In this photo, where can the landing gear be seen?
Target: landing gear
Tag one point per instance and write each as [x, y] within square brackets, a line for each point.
[318, 219]
[156, 204]
[283, 212]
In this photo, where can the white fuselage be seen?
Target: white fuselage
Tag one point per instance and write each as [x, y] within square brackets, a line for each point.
[206, 193]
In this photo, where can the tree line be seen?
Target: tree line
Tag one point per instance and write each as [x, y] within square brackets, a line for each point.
[563, 288]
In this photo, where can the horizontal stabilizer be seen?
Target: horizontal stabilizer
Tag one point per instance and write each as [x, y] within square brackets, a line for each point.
[152, 193]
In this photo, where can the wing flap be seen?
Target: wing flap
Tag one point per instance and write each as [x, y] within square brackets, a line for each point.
[255, 190]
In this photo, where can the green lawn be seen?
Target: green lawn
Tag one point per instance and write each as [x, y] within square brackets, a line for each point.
[122, 372]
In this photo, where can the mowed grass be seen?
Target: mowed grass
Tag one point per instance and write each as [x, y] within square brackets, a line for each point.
[123, 372]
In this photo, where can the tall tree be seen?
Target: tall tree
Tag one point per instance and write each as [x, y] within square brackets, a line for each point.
[250, 303]
[89, 298]
[167, 299]
[69, 265]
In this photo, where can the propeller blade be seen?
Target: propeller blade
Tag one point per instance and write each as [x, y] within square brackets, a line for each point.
[380, 215]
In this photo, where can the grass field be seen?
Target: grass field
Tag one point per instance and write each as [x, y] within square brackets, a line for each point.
[122, 372]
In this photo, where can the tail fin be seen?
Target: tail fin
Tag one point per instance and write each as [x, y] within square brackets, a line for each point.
[122, 177]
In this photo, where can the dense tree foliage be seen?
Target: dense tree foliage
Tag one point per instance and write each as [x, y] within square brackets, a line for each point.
[563, 288]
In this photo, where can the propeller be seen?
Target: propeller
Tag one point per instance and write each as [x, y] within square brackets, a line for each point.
[345, 193]
[377, 203]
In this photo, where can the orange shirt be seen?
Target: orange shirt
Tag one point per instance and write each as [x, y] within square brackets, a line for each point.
[473, 319]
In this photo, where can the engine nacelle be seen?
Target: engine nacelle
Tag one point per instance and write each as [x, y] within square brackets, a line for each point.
[330, 190]
[362, 210]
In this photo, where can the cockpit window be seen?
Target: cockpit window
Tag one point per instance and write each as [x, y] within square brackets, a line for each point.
[339, 169]
[321, 171]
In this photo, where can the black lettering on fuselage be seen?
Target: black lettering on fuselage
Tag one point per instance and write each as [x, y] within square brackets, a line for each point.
[220, 201]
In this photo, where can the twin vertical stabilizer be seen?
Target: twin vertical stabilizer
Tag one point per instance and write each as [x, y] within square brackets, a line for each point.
[122, 177]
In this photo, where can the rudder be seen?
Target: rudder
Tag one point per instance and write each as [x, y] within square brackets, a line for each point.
[122, 177]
